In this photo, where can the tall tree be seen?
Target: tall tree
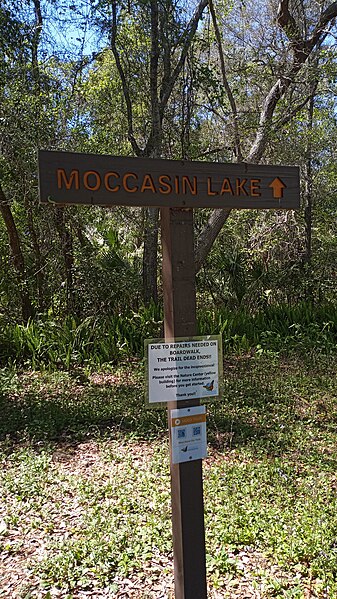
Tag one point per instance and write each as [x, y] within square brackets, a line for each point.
[13, 56]
[301, 36]
[170, 32]
[37, 109]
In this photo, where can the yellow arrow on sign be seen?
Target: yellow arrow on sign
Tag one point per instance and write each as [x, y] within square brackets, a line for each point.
[277, 186]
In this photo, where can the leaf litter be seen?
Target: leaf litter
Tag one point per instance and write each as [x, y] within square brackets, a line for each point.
[60, 498]
[41, 525]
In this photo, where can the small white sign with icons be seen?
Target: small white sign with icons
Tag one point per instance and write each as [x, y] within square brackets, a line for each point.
[188, 434]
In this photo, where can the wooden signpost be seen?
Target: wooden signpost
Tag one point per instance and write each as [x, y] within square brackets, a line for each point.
[177, 187]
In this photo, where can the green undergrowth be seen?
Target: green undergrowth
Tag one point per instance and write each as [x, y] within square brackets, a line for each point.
[270, 480]
[68, 343]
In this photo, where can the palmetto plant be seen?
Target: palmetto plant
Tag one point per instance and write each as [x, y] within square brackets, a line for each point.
[68, 343]
[99, 340]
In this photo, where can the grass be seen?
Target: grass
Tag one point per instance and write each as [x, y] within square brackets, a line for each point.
[85, 481]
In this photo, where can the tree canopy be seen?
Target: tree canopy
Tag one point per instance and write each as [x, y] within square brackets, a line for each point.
[210, 80]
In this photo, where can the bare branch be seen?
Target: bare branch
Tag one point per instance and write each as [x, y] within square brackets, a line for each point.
[303, 47]
[35, 42]
[153, 146]
[237, 144]
[326, 18]
[189, 33]
[286, 119]
[209, 234]
[302, 50]
[137, 150]
[267, 112]
[287, 22]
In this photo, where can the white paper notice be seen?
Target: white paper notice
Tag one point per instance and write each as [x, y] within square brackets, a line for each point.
[188, 434]
[183, 370]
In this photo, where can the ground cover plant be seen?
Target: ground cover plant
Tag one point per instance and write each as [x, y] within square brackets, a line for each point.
[85, 492]
[99, 340]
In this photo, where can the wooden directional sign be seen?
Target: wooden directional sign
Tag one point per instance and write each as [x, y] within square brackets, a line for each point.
[68, 178]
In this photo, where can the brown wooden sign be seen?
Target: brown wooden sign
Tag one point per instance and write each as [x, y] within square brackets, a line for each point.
[69, 178]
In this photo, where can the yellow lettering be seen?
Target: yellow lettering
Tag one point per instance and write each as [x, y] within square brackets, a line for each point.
[148, 184]
[176, 184]
[209, 187]
[186, 182]
[125, 182]
[68, 183]
[165, 184]
[107, 177]
[226, 187]
[240, 187]
[255, 187]
[94, 174]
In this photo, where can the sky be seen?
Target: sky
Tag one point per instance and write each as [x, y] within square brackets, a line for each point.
[66, 29]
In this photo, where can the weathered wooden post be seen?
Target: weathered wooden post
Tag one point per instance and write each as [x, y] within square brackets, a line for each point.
[186, 478]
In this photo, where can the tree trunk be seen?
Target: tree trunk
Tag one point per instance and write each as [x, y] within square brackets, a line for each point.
[150, 255]
[150, 252]
[35, 44]
[39, 262]
[68, 257]
[209, 234]
[302, 49]
[18, 259]
[308, 199]
[161, 84]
